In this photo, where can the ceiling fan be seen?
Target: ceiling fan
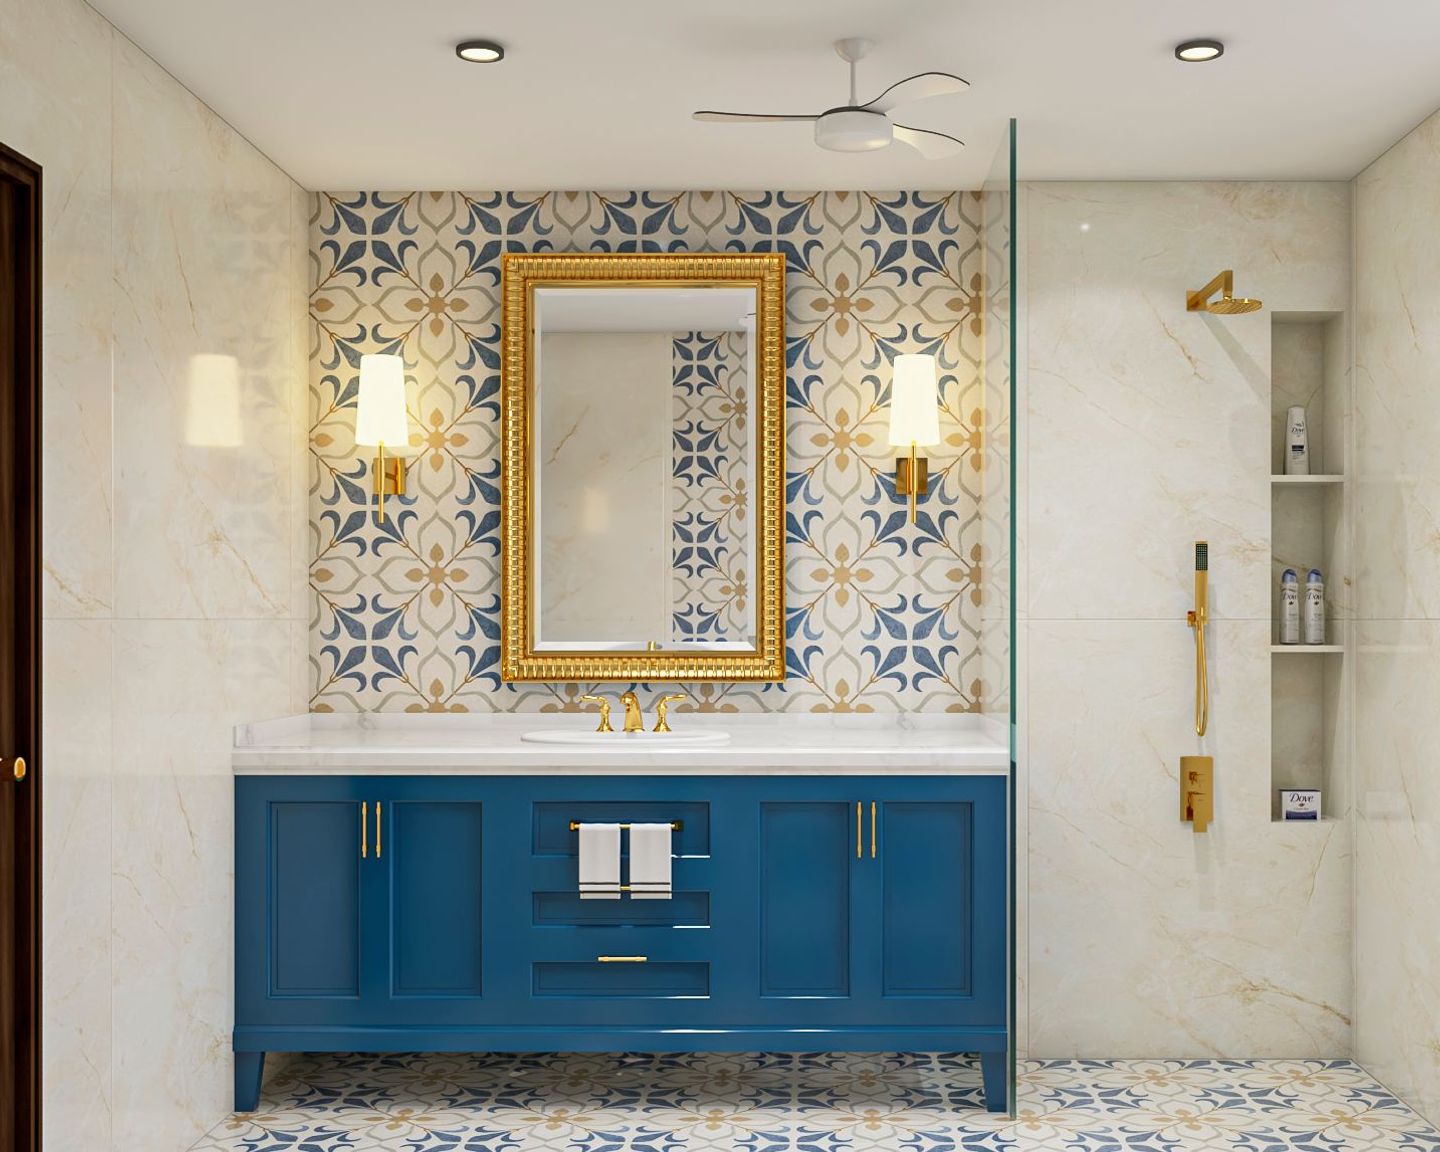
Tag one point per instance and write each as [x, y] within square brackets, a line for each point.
[856, 127]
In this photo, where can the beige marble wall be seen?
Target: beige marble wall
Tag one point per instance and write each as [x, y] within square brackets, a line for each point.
[1149, 428]
[1397, 548]
[175, 592]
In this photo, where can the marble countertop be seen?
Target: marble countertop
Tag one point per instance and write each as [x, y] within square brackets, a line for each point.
[776, 744]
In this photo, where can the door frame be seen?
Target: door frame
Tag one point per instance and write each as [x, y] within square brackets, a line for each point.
[25, 973]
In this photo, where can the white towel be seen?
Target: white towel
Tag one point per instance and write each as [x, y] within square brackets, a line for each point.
[600, 861]
[650, 861]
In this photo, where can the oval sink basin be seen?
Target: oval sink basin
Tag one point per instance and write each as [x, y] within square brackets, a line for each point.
[617, 740]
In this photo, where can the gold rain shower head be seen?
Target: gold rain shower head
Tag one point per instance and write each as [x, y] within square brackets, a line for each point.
[1228, 305]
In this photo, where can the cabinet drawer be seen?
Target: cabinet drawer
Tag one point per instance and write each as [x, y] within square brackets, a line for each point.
[553, 835]
[567, 910]
[666, 978]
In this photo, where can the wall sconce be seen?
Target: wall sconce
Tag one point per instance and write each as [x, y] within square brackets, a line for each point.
[914, 422]
[380, 419]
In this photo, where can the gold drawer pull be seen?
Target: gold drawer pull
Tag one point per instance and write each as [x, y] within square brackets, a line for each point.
[859, 829]
[364, 829]
[622, 959]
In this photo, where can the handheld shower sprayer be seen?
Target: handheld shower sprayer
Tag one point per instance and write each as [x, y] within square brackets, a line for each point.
[1197, 619]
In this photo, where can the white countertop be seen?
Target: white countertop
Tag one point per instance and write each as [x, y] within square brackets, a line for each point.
[479, 744]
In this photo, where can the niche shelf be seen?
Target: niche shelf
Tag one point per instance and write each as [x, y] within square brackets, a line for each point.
[1307, 481]
[1309, 712]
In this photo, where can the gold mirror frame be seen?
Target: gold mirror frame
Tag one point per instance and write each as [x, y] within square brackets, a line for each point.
[523, 273]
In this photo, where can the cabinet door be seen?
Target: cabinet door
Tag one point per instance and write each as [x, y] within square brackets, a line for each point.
[806, 856]
[298, 886]
[429, 915]
[935, 922]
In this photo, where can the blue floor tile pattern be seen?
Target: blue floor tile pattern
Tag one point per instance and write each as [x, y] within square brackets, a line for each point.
[831, 1102]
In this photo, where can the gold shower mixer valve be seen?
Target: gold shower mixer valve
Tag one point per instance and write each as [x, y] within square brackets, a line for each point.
[1197, 791]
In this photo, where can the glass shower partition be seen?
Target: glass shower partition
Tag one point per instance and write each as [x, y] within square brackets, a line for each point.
[998, 241]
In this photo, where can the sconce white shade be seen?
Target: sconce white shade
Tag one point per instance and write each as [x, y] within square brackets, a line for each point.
[914, 404]
[380, 410]
[212, 406]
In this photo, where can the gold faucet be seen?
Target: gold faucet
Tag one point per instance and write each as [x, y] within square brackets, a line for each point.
[662, 706]
[634, 718]
[604, 712]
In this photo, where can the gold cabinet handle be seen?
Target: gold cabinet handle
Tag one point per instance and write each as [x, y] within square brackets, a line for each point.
[19, 768]
[377, 829]
[364, 829]
[622, 959]
[859, 829]
[872, 829]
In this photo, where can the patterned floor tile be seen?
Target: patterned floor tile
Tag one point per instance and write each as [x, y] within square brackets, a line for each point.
[830, 1102]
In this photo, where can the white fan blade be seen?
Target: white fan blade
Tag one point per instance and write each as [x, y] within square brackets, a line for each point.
[744, 117]
[913, 88]
[931, 145]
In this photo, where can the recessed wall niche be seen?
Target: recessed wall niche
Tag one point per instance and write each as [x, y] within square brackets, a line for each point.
[1310, 684]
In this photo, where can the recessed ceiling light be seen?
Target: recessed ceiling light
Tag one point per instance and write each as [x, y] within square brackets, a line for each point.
[1197, 51]
[480, 51]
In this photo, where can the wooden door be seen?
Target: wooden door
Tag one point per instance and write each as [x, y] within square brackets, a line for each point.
[19, 653]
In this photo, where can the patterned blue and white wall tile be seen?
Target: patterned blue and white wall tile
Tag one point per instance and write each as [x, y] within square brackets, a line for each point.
[883, 616]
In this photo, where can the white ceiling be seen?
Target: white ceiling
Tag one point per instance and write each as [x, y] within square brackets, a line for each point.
[597, 95]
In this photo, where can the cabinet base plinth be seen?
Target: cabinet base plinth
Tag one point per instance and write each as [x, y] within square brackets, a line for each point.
[989, 1045]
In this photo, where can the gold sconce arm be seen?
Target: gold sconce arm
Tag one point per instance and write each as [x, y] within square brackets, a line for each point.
[912, 477]
[389, 478]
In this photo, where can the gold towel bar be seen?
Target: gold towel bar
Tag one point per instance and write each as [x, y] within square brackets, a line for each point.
[677, 825]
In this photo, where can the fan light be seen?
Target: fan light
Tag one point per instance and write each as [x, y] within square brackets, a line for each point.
[480, 51]
[1198, 51]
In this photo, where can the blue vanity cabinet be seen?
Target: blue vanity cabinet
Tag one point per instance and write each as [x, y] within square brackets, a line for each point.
[441, 913]
[358, 902]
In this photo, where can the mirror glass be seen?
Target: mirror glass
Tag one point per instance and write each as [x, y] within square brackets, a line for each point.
[643, 466]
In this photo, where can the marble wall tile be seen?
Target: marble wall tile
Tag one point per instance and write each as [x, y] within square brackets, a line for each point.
[65, 127]
[185, 684]
[77, 701]
[202, 268]
[165, 235]
[1154, 420]
[1148, 428]
[1146, 937]
[1397, 550]
[1397, 293]
[1397, 881]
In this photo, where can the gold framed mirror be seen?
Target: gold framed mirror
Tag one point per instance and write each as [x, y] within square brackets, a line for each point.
[643, 467]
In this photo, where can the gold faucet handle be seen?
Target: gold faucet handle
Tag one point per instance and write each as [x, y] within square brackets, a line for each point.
[604, 712]
[662, 708]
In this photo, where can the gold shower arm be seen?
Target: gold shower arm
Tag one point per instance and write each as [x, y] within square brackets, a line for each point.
[1223, 283]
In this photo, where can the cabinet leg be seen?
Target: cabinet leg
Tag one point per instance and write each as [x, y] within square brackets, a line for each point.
[249, 1069]
[992, 1073]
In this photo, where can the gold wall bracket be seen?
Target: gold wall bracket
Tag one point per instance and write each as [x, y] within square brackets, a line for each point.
[1197, 791]
[912, 477]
